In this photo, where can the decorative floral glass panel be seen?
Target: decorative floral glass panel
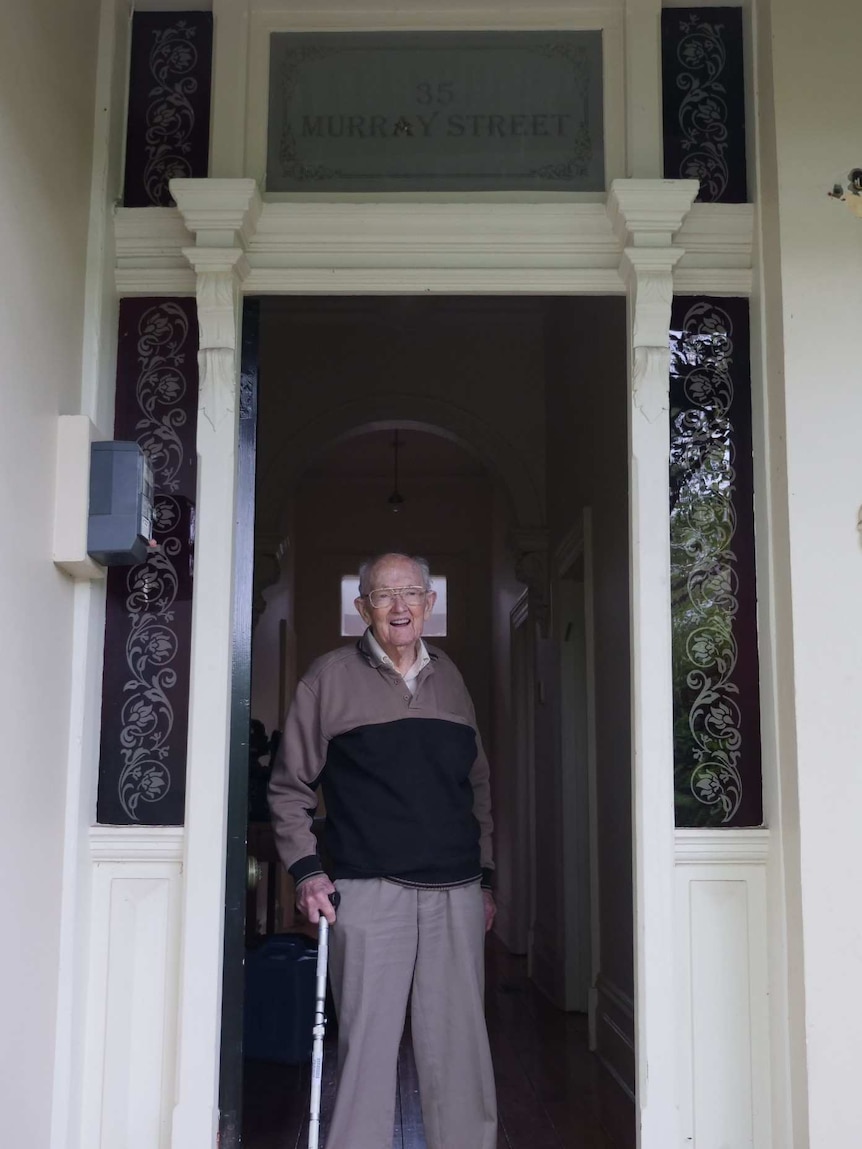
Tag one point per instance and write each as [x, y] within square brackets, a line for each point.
[717, 763]
[149, 606]
[168, 128]
[703, 89]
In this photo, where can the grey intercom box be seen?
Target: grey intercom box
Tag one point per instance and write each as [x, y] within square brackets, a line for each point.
[121, 504]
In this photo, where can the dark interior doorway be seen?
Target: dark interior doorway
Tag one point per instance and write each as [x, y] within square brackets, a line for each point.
[510, 420]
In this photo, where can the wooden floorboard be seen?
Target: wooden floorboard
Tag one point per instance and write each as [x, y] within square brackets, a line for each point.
[520, 1111]
[546, 1078]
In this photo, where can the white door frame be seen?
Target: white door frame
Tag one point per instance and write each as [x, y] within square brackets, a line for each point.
[242, 245]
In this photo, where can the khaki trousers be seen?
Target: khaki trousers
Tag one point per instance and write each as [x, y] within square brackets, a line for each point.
[392, 943]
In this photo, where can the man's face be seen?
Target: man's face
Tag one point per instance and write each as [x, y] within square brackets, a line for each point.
[398, 623]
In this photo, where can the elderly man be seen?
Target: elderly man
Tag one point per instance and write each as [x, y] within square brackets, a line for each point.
[387, 729]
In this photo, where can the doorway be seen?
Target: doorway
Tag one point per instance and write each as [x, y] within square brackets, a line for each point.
[505, 416]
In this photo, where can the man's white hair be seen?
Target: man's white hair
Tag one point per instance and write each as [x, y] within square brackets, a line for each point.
[368, 565]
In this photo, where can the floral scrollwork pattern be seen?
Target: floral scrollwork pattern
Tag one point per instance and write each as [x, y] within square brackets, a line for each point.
[148, 714]
[704, 101]
[168, 116]
[170, 113]
[147, 630]
[151, 647]
[703, 113]
[704, 568]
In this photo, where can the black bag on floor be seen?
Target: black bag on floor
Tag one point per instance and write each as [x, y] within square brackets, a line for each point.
[279, 999]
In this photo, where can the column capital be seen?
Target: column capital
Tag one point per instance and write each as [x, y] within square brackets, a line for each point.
[641, 261]
[221, 213]
[648, 213]
[649, 275]
[217, 261]
[219, 272]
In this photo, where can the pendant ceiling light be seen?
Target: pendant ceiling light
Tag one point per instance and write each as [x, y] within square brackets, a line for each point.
[396, 499]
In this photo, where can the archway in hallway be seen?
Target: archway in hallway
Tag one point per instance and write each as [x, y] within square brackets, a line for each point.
[472, 488]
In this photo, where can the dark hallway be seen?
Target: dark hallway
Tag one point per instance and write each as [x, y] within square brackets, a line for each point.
[497, 423]
[546, 1092]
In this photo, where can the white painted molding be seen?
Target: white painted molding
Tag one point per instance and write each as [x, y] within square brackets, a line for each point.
[504, 248]
[644, 154]
[445, 15]
[721, 988]
[133, 957]
[570, 548]
[149, 242]
[222, 222]
[136, 843]
[648, 213]
[648, 273]
[229, 87]
[75, 433]
[439, 281]
[748, 847]
[717, 234]
[154, 281]
[717, 242]
[218, 272]
[437, 234]
[221, 213]
[712, 281]
[645, 215]
[150, 236]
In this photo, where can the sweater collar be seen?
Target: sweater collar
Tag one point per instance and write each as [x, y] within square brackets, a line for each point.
[377, 656]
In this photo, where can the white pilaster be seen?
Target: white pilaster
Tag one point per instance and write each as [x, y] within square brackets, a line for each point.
[644, 157]
[646, 214]
[222, 214]
[230, 72]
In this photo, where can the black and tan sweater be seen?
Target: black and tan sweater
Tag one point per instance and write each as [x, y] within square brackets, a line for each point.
[404, 776]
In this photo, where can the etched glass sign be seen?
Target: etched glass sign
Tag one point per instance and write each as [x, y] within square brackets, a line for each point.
[435, 111]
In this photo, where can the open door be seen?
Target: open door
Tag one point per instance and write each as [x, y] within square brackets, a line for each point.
[230, 1087]
[337, 505]
[577, 831]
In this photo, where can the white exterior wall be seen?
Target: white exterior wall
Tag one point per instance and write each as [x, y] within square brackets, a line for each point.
[47, 73]
[818, 310]
[812, 291]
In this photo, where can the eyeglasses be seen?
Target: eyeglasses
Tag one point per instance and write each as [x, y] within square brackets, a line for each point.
[386, 595]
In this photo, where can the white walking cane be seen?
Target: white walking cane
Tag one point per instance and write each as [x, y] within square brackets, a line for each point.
[319, 1027]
